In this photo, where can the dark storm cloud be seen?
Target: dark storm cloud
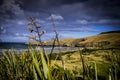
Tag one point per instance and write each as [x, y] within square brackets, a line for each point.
[79, 14]
[93, 11]
[47, 3]
[110, 8]
[1, 2]
[71, 9]
[10, 9]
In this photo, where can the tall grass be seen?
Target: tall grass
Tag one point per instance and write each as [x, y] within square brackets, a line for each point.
[32, 65]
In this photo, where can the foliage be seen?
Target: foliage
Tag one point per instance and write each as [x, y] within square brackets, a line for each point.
[32, 65]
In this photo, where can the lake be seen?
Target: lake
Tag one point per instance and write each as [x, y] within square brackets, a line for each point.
[23, 46]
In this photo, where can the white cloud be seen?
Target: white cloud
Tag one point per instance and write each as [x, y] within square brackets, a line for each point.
[21, 22]
[21, 35]
[21, 38]
[2, 30]
[55, 17]
[82, 21]
[80, 29]
[106, 21]
[99, 21]
[17, 34]
[40, 21]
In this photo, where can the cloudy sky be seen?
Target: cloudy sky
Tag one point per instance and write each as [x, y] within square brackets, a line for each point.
[73, 18]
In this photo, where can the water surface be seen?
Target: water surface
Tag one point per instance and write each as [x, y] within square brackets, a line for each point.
[23, 46]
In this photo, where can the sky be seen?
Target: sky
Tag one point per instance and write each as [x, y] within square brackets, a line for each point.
[73, 18]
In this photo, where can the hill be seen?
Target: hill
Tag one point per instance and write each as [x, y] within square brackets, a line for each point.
[111, 32]
[104, 39]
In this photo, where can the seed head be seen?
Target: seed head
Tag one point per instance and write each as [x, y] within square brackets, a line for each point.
[42, 32]
[32, 37]
[29, 20]
[37, 25]
[34, 20]
[30, 29]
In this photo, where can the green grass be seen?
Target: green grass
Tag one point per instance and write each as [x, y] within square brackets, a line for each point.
[34, 65]
[29, 66]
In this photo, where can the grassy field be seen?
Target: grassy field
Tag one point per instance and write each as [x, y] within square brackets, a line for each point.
[101, 57]
[86, 64]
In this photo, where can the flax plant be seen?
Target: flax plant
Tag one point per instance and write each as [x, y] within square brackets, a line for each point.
[33, 26]
[56, 39]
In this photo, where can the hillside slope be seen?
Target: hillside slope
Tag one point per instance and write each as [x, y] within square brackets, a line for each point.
[104, 39]
[107, 39]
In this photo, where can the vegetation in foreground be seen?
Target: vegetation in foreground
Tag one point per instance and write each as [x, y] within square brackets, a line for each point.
[79, 65]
